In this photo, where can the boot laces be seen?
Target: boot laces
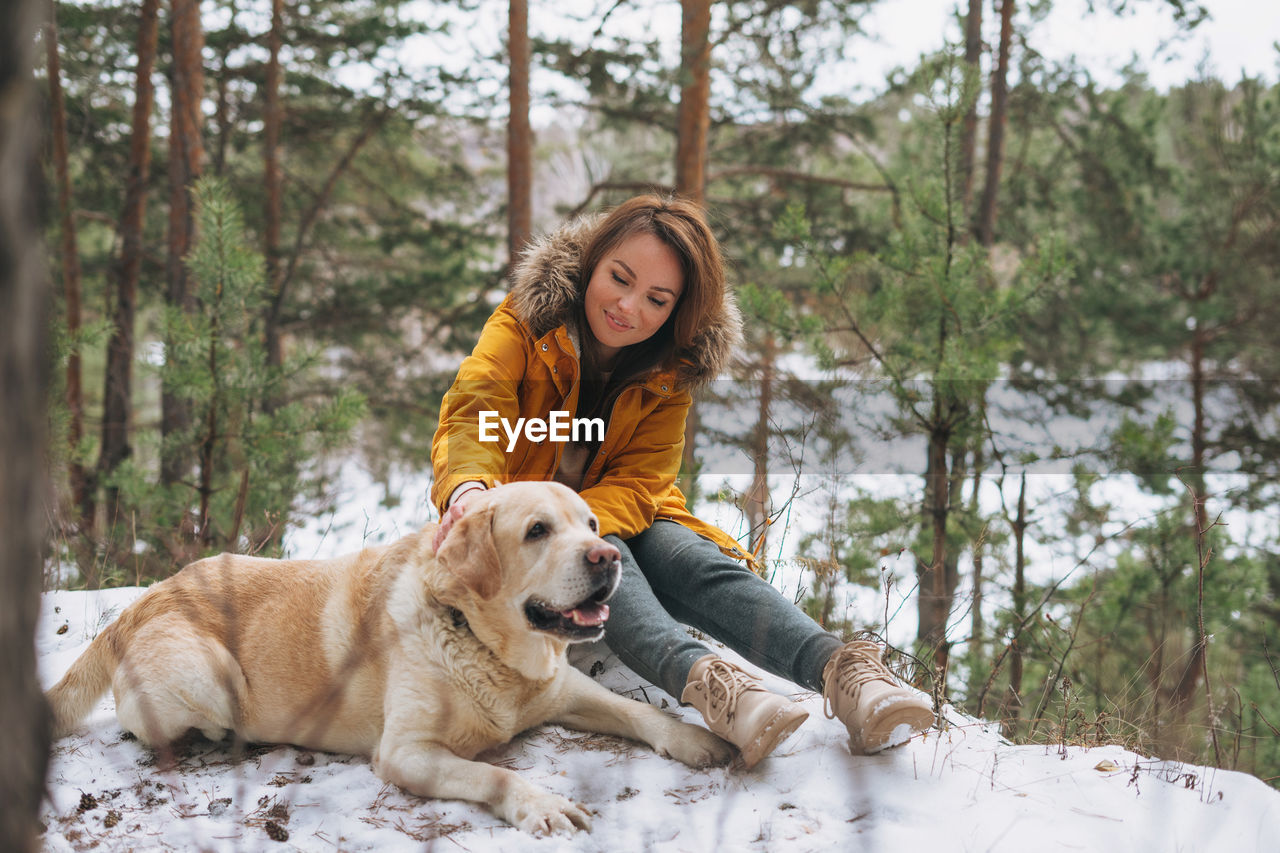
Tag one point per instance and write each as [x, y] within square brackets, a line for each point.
[856, 664]
[726, 682]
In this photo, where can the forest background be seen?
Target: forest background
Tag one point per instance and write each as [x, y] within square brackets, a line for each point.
[1010, 367]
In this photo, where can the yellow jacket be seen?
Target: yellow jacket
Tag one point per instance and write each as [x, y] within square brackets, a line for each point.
[526, 365]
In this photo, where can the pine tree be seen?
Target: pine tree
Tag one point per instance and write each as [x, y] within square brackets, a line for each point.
[250, 471]
[926, 312]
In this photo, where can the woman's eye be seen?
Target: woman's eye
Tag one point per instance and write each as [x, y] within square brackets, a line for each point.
[537, 531]
[658, 302]
[619, 279]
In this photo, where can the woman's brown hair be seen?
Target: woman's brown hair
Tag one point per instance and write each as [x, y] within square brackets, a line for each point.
[682, 226]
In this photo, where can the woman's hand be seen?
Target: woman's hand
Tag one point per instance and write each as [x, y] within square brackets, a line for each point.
[455, 511]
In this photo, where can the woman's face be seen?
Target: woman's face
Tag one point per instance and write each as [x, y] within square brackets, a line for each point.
[632, 292]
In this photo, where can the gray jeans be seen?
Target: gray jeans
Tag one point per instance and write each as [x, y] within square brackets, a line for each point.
[672, 575]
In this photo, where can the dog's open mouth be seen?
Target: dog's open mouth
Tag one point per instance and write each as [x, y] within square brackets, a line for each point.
[584, 621]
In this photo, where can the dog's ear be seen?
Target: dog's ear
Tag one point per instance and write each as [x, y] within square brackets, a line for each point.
[469, 554]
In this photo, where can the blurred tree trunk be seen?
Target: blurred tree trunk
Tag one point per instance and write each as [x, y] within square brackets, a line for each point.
[996, 127]
[24, 491]
[955, 507]
[273, 339]
[969, 129]
[693, 120]
[81, 496]
[966, 167]
[117, 394]
[689, 465]
[186, 150]
[933, 599]
[272, 120]
[977, 625]
[221, 113]
[1185, 689]
[519, 133]
[757, 497]
[1011, 703]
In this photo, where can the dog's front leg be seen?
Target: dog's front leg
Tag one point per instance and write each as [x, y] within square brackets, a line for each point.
[431, 770]
[590, 707]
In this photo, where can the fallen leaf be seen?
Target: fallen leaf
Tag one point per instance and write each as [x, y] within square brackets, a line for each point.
[1106, 765]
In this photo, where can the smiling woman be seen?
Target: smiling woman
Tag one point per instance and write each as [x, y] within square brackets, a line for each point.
[621, 319]
[614, 320]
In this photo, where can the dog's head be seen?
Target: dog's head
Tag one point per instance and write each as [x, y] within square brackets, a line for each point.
[528, 569]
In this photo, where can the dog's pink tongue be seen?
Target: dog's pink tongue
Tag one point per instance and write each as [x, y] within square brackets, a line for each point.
[589, 616]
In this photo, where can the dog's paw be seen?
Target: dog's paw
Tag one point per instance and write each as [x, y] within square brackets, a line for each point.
[696, 747]
[539, 812]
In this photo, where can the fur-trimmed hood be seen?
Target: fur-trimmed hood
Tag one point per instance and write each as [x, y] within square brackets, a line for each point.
[544, 295]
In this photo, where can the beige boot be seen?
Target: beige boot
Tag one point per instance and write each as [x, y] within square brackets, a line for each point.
[878, 711]
[738, 709]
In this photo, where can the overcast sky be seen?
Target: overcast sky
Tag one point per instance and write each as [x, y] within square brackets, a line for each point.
[1241, 36]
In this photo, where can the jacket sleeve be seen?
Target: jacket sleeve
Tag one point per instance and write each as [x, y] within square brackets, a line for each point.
[638, 477]
[487, 380]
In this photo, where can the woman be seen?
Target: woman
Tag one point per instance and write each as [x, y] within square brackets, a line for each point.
[620, 318]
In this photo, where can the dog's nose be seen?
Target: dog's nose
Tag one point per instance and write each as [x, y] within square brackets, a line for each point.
[602, 555]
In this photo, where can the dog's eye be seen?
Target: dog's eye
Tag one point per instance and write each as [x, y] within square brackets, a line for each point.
[594, 527]
[536, 531]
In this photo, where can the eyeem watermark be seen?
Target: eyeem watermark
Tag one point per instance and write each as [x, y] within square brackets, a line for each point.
[558, 427]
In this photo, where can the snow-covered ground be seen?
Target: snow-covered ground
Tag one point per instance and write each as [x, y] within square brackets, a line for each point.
[962, 788]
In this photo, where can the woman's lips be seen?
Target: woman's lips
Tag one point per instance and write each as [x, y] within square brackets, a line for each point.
[616, 324]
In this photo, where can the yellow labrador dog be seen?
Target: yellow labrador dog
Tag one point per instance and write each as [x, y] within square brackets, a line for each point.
[418, 659]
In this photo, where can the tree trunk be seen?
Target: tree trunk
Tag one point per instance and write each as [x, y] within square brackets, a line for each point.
[221, 119]
[969, 129]
[977, 625]
[1190, 676]
[117, 393]
[272, 120]
[1012, 702]
[519, 133]
[955, 507]
[81, 496]
[996, 126]
[693, 120]
[24, 491]
[694, 115]
[185, 152]
[757, 497]
[209, 443]
[828, 574]
[933, 604]
[687, 482]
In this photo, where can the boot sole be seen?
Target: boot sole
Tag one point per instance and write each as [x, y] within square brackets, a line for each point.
[894, 728]
[779, 728]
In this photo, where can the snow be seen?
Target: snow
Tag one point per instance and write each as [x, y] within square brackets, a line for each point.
[901, 734]
[961, 788]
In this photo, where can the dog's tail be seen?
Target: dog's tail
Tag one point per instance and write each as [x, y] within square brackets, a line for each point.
[73, 697]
